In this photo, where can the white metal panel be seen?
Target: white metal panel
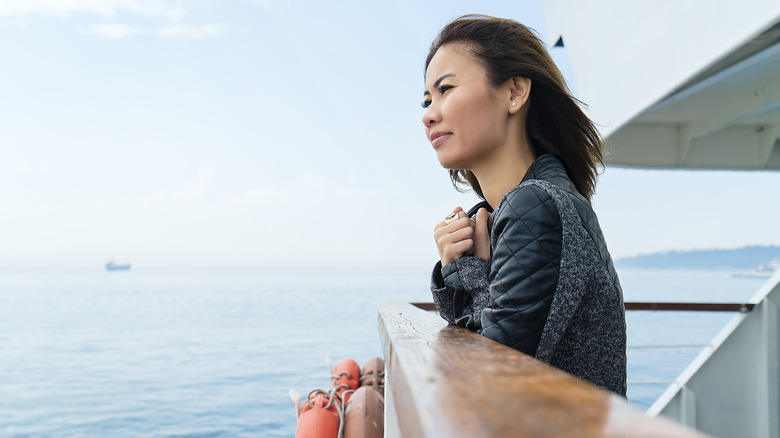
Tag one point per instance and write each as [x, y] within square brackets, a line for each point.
[667, 146]
[699, 68]
[735, 379]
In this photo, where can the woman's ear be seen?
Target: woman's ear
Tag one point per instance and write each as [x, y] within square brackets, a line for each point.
[521, 90]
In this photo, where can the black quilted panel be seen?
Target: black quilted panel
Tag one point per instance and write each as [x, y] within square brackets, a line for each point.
[526, 240]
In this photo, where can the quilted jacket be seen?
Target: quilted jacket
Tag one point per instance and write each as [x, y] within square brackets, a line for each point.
[550, 289]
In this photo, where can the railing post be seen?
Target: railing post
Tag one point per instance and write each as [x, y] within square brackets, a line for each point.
[688, 407]
[392, 430]
[768, 372]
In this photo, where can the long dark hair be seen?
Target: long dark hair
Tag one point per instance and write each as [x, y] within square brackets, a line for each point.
[555, 122]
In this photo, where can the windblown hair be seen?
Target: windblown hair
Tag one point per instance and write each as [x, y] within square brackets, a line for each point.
[555, 122]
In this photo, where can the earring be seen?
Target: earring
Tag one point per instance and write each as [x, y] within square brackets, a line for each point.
[514, 103]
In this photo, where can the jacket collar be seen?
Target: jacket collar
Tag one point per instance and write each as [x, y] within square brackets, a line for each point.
[545, 167]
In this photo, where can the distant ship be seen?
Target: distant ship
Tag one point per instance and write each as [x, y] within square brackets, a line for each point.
[111, 266]
[765, 270]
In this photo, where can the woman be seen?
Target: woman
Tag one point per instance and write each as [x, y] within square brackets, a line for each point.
[534, 274]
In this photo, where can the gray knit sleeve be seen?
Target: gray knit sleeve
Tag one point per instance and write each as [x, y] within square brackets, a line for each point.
[460, 290]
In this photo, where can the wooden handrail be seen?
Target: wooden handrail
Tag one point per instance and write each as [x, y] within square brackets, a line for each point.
[424, 305]
[635, 305]
[446, 381]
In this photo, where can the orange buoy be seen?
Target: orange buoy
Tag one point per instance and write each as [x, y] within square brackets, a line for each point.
[365, 414]
[374, 374]
[346, 376]
[319, 417]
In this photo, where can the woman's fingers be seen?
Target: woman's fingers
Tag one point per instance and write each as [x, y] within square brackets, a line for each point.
[454, 231]
[481, 235]
[448, 236]
[456, 250]
[456, 214]
[454, 237]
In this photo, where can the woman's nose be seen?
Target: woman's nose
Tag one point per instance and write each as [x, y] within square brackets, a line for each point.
[430, 116]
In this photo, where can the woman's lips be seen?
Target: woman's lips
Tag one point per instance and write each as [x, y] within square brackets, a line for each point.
[438, 137]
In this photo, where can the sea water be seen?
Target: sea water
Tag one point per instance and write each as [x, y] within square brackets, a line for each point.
[214, 352]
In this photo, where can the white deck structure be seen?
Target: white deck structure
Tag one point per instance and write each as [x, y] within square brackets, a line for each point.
[692, 84]
[676, 83]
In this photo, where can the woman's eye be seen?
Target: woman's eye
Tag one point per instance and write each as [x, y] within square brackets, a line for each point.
[442, 89]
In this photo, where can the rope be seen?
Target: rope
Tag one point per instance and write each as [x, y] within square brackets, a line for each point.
[343, 413]
[340, 375]
[328, 394]
[331, 395]
[379, 377]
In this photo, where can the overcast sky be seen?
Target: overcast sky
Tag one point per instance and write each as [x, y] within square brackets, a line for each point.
[264, 133]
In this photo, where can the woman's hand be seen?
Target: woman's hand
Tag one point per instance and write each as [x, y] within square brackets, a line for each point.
[455, 236]
[481, 236]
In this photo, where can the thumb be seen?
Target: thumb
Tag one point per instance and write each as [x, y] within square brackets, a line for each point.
[481, 235]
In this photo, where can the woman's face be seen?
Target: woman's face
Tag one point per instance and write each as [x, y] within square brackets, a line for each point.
[465, 119]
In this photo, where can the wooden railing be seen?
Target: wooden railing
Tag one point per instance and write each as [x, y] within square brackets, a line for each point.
[446, 381]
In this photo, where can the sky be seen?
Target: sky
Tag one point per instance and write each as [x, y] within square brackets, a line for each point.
[257, 133]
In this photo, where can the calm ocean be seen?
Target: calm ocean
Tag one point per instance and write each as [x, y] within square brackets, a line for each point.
[214, 352]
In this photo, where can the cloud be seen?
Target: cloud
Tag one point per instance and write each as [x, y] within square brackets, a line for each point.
[307, 189]
[24, 168]
[116, 31]
[113, 31]
[155, 8]
[159, 9]
[191, 31]
[197, 190]
[257, 195]
[267, 4]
